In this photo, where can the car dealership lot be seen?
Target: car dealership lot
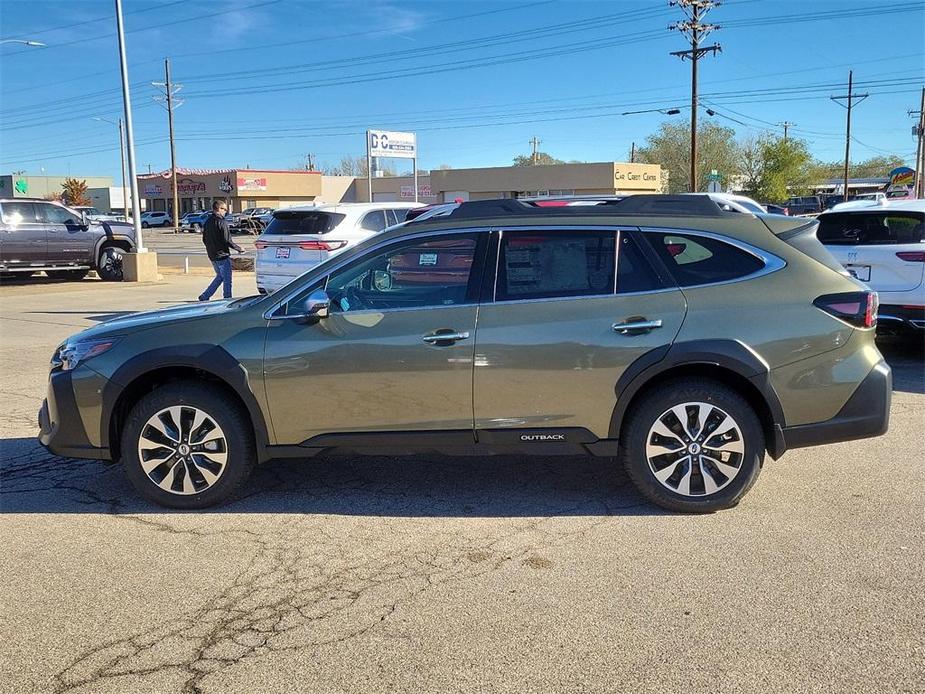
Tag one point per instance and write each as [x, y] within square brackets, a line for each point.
[449, 574]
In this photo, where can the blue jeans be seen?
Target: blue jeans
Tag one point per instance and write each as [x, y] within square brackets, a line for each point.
[222, 277]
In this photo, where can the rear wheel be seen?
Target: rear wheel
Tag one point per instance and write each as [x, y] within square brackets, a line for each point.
[189, 446]
[67, 274]
[109, 267]
[693, 445]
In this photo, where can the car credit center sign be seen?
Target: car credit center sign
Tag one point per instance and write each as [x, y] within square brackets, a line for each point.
[386, 143]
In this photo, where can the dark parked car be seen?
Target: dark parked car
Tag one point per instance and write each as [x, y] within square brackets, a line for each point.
[776, 209]
[40, 235]
[806, 204]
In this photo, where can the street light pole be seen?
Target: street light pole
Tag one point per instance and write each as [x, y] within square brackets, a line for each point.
[121, 157]
[129, 131]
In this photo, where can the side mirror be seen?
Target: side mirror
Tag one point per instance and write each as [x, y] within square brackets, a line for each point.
[317, 306]
[85, 220]
[382, 280]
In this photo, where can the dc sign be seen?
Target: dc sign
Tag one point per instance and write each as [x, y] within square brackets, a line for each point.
[387, 143]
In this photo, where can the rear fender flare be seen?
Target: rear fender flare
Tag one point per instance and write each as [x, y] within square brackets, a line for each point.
[729, 355]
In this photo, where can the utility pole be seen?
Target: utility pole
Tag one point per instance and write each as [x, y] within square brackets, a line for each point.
[919, 130]
[633, 153]
[695, 30]
[786, 125]
[169, 91]
[536, 143]
[129, 131]
[849, 97]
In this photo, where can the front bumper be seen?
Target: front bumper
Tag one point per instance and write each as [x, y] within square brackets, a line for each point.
[866, 414]
[61, 428]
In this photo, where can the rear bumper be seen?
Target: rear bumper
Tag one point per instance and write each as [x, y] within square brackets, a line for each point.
[896, 319]
[866, 414]
[61, 428]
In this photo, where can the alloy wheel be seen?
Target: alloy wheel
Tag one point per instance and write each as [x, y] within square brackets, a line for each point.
[182, 450]
[695, 449]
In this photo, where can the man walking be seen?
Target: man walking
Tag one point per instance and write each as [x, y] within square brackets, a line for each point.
[216, 235]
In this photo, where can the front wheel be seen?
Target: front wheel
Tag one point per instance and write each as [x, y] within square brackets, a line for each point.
[109, 267]
[144, 225]
[693, 445]
[188, 446]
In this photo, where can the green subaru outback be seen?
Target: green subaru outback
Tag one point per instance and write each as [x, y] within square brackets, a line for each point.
[685, 340]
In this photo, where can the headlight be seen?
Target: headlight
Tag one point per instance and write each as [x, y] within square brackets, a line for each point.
[70, 354]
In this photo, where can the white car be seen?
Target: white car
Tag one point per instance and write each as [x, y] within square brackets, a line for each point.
[735, 203]
[95, 215]
[299, 238]
[156, 219]
[883, 244]
[861, 201]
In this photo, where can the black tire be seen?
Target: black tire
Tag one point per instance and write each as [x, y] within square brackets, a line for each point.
[109, 266]
[226, 413]
[73, 275]
[196, 229]
[656, 403]
[144, 225]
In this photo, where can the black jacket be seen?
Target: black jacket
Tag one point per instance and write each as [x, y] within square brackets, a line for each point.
[216, 235]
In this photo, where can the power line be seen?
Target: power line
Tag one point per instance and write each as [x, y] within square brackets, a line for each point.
[107, 18]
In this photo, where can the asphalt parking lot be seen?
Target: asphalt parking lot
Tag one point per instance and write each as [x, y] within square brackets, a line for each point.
[435, 574]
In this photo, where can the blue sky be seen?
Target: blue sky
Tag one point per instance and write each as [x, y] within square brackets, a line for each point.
[265, 82]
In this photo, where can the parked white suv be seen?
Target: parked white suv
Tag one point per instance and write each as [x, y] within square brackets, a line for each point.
[883, 244]
[299, 238]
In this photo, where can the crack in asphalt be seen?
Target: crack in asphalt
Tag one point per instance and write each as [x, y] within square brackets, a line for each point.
[290, 596]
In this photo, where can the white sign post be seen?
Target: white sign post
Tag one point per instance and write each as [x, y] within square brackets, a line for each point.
[390, 144]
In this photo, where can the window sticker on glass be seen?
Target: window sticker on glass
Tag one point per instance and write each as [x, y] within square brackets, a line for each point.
[427, 259]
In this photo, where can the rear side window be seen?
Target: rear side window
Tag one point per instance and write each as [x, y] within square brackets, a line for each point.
[871, 228]
[18, 213]
[694, 260]
[303, 222]
[548, 264]
[374, 221]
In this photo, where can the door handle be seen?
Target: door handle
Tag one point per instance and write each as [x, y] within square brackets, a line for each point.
[636, 326]
[445, 338]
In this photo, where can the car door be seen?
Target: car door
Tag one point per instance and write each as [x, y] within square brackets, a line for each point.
[22, 235]
[561, 329]
[395, 353]
[69, 241]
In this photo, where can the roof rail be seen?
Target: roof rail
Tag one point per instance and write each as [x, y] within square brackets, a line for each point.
[673, 205]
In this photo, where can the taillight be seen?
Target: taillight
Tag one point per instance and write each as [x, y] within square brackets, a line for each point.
[856, 308]
[321, 245]
[260, 245]
[912, 256]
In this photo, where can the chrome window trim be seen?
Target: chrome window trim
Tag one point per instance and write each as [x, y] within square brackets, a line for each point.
[772, 263]
[385, 242]
[616, 229]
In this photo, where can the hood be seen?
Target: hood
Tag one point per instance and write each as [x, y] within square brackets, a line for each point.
[149, 319]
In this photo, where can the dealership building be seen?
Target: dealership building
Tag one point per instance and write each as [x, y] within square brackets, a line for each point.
[447, 185]
[243, 188]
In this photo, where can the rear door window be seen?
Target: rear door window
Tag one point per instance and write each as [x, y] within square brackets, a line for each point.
[694, 260]
[871, 228]
[634, 272]
[550, 264]
[291, 222]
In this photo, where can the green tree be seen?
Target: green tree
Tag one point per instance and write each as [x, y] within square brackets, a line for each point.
[670, 146]
[75, 192]
[542, 159]
[875, 167]
[786, 168]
